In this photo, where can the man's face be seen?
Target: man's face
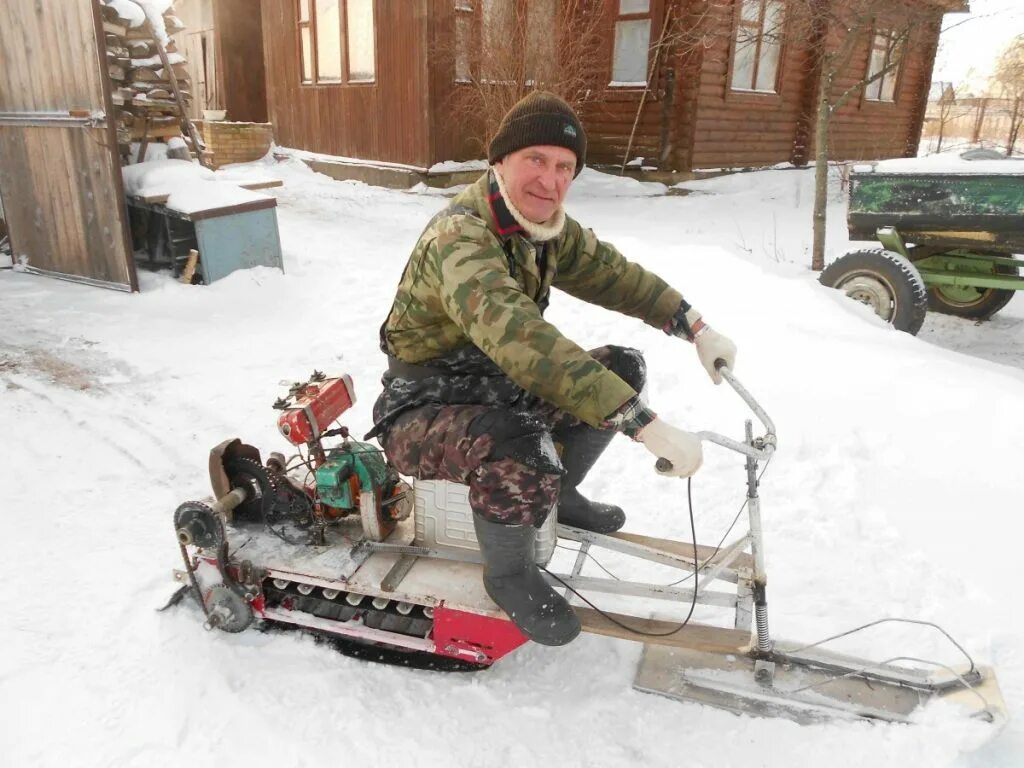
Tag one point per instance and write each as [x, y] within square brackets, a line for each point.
[537, 179]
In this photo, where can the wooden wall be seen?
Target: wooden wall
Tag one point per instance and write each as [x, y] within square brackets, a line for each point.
[871, 130]
[610, 114]
[47, 62]
[197, 15]
[240, 72]
[737, 129]
[62, 184]
[689, 119]
[386, 120]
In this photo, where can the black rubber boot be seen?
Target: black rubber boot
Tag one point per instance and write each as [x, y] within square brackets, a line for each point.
[582, 445]
[514, 582]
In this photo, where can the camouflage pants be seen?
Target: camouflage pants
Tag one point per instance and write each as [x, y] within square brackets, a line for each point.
[506, 456]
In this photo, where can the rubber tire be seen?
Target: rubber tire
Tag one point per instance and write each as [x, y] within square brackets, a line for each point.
[993, 300]
[904, 283]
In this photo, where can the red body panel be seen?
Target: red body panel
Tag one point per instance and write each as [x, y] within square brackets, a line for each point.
[311, 410]
[471, 637]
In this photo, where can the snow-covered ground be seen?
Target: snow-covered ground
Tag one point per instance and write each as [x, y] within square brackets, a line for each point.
[893, 493]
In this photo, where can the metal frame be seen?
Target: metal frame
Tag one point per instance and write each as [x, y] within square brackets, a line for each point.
[746, 601]
[931, 260]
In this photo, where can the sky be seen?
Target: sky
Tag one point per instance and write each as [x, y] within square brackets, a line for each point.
[971, 42]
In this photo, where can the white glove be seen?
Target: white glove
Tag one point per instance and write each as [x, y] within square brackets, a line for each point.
[711, 346]
[679, 447]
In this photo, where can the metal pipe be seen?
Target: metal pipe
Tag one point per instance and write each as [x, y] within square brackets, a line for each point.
[764, 643]
[229, 501]
[763, 447]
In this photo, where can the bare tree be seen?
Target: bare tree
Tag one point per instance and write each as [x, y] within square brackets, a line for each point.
[836, 32]
[855, 49]
[500, 50]
[1009, 78]
[946, 103]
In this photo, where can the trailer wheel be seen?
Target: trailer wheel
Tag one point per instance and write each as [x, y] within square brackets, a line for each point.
[972, 303]
[885, 281]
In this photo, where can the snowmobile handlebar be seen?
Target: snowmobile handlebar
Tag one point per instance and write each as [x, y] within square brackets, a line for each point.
[758, 447]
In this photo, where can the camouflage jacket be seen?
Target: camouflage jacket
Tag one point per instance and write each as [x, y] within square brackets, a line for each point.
[469, 310]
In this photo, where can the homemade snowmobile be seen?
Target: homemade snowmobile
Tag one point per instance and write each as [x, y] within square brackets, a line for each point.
[333, 541]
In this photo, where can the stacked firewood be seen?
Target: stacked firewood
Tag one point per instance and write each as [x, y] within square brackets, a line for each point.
[146, 108]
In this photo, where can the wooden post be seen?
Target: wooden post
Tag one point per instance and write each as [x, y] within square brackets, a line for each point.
[183, 113]
[189, 270]
[144, 144]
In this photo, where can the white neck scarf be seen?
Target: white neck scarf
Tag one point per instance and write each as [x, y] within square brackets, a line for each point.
[539, 233]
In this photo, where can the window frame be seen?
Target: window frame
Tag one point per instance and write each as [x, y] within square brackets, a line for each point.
[654, 14]
[346, 80]
[896, 74]
[741, 93]
[475, 12]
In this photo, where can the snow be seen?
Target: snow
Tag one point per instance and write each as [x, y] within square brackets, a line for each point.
[456, 166]
[894, 493]
[154, 10]
[190, 186]
[154, 176]
[302, 154]
[129, 11]
[152, 61]
[947, 163]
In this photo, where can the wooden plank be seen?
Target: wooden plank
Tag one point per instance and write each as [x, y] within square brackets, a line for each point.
[656, 632]
[227, 210]
[189, 270]
[681, 548]
[268, 184]
[120, 30]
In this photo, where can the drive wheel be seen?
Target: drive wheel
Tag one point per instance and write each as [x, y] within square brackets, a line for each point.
[972, 303]
[886, 282]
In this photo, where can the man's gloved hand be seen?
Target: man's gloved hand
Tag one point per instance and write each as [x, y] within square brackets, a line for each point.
[681, 448]
[711, 346]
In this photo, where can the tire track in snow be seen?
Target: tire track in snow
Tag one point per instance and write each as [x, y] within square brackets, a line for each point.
[90, 423]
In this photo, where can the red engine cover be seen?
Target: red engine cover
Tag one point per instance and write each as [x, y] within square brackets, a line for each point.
[312, 408]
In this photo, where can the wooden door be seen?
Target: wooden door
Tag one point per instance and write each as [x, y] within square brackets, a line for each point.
[59, 165]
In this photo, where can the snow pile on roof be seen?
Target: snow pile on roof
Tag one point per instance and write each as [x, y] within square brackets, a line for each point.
[153, 176]
[202, 195]
[189, 186]
[954, 164]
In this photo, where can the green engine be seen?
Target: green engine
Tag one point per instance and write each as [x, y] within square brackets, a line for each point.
[351, 469]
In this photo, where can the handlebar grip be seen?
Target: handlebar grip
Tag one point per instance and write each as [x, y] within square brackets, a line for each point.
[663, 465]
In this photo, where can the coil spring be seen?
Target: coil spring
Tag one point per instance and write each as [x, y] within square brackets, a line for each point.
[764, 643]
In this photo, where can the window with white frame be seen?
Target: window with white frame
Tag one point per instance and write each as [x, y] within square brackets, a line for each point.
[336, 40]
[758, 46]
[884, 65]
[632, 43]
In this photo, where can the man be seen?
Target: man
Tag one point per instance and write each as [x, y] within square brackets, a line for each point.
[482, 390]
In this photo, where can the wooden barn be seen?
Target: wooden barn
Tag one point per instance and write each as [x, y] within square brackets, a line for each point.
[376, 79]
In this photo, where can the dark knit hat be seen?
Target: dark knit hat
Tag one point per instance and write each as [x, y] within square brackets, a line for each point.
[539, 118]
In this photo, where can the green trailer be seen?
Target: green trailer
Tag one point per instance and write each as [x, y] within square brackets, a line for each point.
[951, 231]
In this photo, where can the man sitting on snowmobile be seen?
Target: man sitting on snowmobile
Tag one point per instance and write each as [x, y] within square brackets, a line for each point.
[480, 389]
